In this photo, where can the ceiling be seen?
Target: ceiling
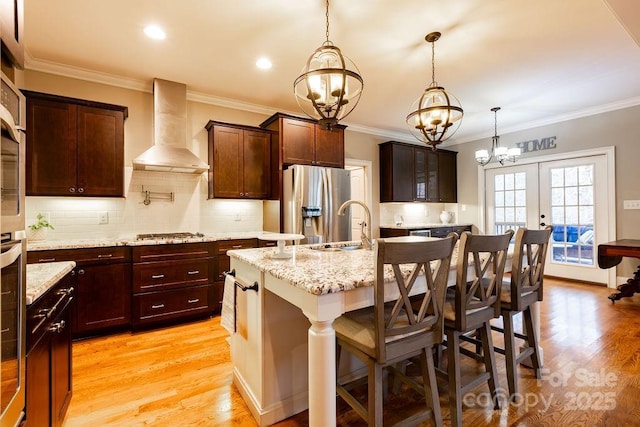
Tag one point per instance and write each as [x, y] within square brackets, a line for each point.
[542, 61]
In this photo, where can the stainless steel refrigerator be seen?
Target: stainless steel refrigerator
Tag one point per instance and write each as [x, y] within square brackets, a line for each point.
[311, 197]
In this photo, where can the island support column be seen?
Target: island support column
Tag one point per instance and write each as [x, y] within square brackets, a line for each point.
[322, 373]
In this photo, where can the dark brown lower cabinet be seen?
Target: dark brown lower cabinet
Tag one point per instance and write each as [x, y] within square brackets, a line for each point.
[171, 282]
[49, 357]
[104, 298]
[103, 287]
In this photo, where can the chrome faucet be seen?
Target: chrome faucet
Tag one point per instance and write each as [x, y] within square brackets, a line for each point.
[366, 239]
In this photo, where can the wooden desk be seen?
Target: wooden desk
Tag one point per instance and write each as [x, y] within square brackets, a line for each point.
[610, 254]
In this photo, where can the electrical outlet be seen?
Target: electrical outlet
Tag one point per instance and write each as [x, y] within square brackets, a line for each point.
[631, 204]
[103, 217]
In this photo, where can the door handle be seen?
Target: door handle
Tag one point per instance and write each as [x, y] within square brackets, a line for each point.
[542, 224]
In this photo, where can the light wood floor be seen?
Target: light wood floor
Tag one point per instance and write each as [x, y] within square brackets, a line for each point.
[181, 376]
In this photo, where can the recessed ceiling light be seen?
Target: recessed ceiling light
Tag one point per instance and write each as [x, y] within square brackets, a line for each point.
[155, 32]
[263, 63]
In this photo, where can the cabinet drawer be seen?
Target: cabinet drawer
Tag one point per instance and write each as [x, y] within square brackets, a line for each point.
[102, 255]
[227, 245]
[155, 276]
[172, 251]
[41, 313]
[176, 303]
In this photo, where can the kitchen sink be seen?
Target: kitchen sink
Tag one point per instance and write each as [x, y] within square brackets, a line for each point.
[328, 248]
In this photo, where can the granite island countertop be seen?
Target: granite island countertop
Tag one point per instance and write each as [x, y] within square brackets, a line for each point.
[41, 277]
[320, 272]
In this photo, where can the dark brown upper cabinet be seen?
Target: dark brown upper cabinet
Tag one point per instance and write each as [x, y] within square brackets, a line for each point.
[305, 142]
[240, 160]
[74, 147]
[411, 173]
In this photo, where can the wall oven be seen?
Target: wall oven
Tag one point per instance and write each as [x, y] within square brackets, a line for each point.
[12, 255]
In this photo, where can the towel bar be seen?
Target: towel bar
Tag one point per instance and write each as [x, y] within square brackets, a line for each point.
[244, 288]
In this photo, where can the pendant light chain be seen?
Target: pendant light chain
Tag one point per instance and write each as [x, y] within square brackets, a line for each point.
[433, 64]
[327, 17]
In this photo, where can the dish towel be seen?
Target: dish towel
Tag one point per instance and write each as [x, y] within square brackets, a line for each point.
[228, 314]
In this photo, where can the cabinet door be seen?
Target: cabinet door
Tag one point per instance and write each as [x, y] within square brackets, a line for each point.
[51, 148]
[256, 170]
[297, 142]
[61, 368]
[329, 147]
[420, 174]
[396, 173]
[100, 135]
[103, 297]
[227, 161]
[433, 193]
[38, 391]
[447, 177]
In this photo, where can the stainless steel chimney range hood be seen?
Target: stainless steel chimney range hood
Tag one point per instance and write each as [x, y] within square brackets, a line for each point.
[169, 152]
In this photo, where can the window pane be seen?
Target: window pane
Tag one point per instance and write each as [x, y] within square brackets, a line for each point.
[499, 198]
[586, 215]
[509, 215]
[521, 215]
[557, 215]
[521, 198]
[585, 195]
[498, 182]
[509, 181]
[499, 214]
[557, 177]
[521, 181]
[571, 195]
[571, 213]
[509, 198]
[571, 176]
[585, 175]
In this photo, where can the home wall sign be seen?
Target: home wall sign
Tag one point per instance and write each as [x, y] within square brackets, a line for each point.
[546, 143]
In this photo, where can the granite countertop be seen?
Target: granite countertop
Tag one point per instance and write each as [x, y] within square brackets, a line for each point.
[131, 241]
[41, 277]
[422, 226]
[316, 271]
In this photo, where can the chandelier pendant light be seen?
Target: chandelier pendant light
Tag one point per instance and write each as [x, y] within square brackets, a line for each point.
[436, 115]
[502, 154]
[330, 85]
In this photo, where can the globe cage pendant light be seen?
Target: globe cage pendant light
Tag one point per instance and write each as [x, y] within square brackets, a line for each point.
[502, 154]
[437, 114]
[330, 85]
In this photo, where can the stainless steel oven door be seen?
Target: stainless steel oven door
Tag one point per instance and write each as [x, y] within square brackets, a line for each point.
[12, 149]
[12, 327]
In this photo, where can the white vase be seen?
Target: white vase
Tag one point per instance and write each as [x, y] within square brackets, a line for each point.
[445, 217]
[39, 234]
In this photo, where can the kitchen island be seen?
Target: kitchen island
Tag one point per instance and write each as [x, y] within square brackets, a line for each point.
[283, 351]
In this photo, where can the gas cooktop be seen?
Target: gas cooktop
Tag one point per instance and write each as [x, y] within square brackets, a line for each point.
[165, 236]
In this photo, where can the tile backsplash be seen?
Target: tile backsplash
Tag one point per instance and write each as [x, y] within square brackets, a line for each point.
[84, 218]
[415, 213]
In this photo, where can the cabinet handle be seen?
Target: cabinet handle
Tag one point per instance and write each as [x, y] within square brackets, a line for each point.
[156, 306]
[46, 260]
[105, 256]
[58, 327]
[241, 194]
[236, 246]
[157, 276]
[81, 190]
[5, 330]
[72, 189]
[81, 271]
[193, 301]
[65, 292]
[193, 272]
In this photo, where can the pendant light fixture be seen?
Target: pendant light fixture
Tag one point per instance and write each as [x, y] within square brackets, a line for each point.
[502, 154]
[437, 114]
[330, 85]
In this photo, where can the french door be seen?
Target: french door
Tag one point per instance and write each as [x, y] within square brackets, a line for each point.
[571, 195]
